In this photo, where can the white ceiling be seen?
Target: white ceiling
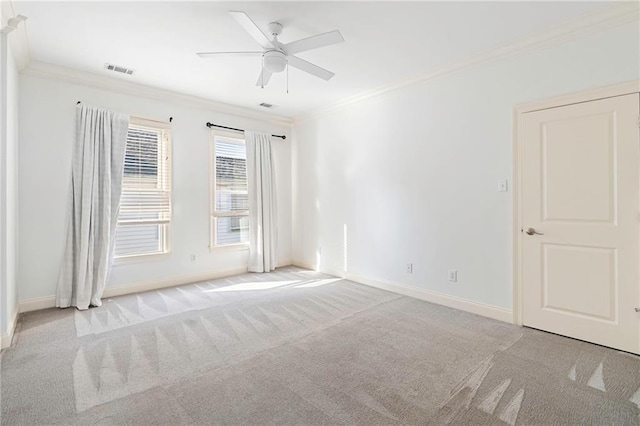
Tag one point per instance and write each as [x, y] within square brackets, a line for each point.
[385, 42]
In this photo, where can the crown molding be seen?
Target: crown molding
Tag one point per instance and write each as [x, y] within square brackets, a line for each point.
[597, 21]
[18, 38]
[75, 76]
[600, 20]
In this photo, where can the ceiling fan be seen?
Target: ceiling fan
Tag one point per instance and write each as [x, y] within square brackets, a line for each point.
[276, 56]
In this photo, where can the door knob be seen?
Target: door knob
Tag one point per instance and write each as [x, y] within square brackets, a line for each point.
[531, 231]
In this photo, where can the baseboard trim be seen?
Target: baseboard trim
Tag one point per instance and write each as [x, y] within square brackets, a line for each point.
[168, 282]
[37, 303]
[324, 270]
[46, 302]
[6, 339]
[303, 264]
[489, 311]
[284, 263]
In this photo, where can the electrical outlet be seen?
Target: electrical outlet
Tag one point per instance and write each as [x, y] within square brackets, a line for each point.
[453, 275]
[193, 257]
[409, 268]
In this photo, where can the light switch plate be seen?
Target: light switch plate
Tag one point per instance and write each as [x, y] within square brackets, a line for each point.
[503, 185]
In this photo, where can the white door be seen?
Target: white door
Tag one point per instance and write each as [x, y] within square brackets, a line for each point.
[580, 194]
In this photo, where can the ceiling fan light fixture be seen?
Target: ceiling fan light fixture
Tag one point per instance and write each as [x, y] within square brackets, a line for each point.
[275, 61]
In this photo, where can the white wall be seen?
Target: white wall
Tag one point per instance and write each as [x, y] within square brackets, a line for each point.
[47, 123]
[8, 192]
[413, 174]
[12, 185]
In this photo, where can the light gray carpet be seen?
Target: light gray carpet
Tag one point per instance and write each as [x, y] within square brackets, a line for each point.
[299, 347]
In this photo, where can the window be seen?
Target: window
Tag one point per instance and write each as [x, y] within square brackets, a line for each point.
[229, 191]
[145, 206]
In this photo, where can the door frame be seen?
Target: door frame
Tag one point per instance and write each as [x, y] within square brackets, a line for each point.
[621, 89]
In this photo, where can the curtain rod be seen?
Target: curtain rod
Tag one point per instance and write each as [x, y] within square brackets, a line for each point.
[210, 125]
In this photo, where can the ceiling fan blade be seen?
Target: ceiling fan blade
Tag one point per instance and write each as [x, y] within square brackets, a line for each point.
[305, 66]
[320, 40]
[251, 27]
[263, 78]
[219, 54]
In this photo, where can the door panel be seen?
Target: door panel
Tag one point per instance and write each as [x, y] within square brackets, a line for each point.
[579, 280]
[583, 191]
[580, 190]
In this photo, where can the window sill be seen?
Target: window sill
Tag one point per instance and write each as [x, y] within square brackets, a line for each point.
[230, 247]
[141, 258]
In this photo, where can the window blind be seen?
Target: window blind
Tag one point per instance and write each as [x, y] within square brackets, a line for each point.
[145, 204]
[231, 201]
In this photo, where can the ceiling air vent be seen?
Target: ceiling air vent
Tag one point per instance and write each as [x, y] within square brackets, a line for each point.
[266, 105]
[117, 68]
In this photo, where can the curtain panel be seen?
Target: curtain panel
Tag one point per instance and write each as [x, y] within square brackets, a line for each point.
[94, 200]
[262, 203]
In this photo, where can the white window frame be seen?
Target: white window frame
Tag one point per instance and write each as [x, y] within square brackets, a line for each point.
[213, 213]
[154, 125]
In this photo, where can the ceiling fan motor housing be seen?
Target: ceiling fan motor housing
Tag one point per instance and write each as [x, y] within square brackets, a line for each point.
[274, 61]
